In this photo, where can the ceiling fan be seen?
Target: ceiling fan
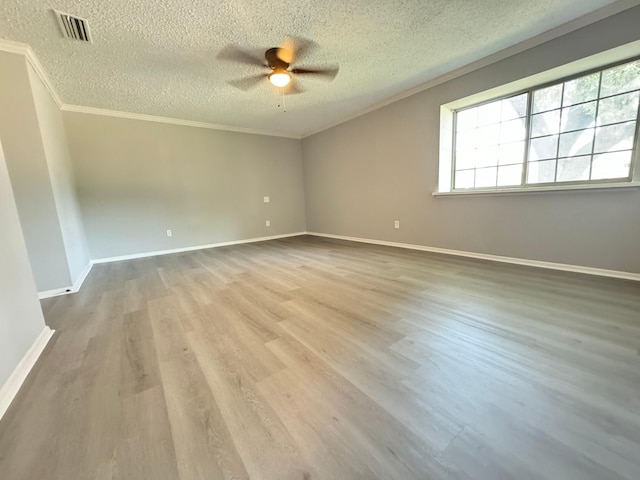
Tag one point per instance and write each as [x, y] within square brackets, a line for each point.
[279, 61]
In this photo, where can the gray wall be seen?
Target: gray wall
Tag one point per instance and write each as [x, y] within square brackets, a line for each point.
[54, 141]
[364, 174]
[27, 165]
[21, 319]
[136, 179]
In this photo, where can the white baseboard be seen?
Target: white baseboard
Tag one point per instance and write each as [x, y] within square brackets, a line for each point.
[198, 247]
[67, 290]
[80, 280]
[55, 292]
[78, 283]
[11, 387]
[494, 258]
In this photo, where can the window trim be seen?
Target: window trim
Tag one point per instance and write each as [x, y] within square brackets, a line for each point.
[527, 140]
[586, 66]
[564, 187]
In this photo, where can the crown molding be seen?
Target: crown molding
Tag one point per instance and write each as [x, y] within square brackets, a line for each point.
[544, 37]
[24, 49]
[19, 48]
[174, 121]
[600, 14]
[10, 46]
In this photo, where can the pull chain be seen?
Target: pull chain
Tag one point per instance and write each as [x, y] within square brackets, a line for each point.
[283, 104]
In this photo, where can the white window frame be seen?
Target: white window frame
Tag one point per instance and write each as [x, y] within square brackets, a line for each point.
[576, 69]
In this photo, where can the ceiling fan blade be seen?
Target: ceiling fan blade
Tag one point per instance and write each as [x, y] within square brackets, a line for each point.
[329, 72]
[247, 83]
[232, 53]
[295, 48]
[293, 88]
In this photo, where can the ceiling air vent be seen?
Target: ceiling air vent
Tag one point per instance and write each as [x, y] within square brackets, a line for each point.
[73, 27]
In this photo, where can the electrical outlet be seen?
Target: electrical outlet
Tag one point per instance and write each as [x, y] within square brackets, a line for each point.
[169, 233]
[268, 223]
[396, 224]
[266, 199]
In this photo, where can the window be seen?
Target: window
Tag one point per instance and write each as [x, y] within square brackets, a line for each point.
[579, 130]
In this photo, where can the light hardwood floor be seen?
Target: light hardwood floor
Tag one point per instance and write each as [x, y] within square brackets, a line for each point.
[314, 359]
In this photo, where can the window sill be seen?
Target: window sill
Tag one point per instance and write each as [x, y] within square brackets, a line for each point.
[525, 190]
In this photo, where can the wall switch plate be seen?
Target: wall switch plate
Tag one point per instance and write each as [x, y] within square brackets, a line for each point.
[396, 224]
[268, 223]
[169, 233]
[266, 199]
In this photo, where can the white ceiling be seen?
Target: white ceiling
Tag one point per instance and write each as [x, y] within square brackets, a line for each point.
[159, 57]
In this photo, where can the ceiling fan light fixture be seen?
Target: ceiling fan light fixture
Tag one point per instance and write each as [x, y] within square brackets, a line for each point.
[280, 78]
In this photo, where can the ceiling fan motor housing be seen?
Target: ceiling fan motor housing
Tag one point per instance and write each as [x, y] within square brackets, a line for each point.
[274, 61]
[279, 61]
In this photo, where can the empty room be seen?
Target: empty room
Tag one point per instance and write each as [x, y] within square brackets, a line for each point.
[320, 240]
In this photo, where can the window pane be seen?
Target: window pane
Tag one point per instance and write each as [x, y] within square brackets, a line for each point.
[576, 143]
[466, 140]
[618, 109]
[514, 107]
[464, 179]
[541, 172]
[545, 123]
[510, 175]
[547, 99]
[615, 137]
[467, 119]
[578, 117]
[487, 156]
[489, 113]
[621, 79]
[580, 130]
[581, 89]
[511, 153]
[512, 131]
[486, 177]
[543, 147]
[573, 169]
[611, 165]
[465, 159]
[489, 135]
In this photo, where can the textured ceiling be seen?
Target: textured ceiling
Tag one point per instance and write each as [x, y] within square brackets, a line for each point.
[159, 57]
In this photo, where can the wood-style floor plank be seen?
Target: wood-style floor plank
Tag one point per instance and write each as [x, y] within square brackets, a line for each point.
[307, 358]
